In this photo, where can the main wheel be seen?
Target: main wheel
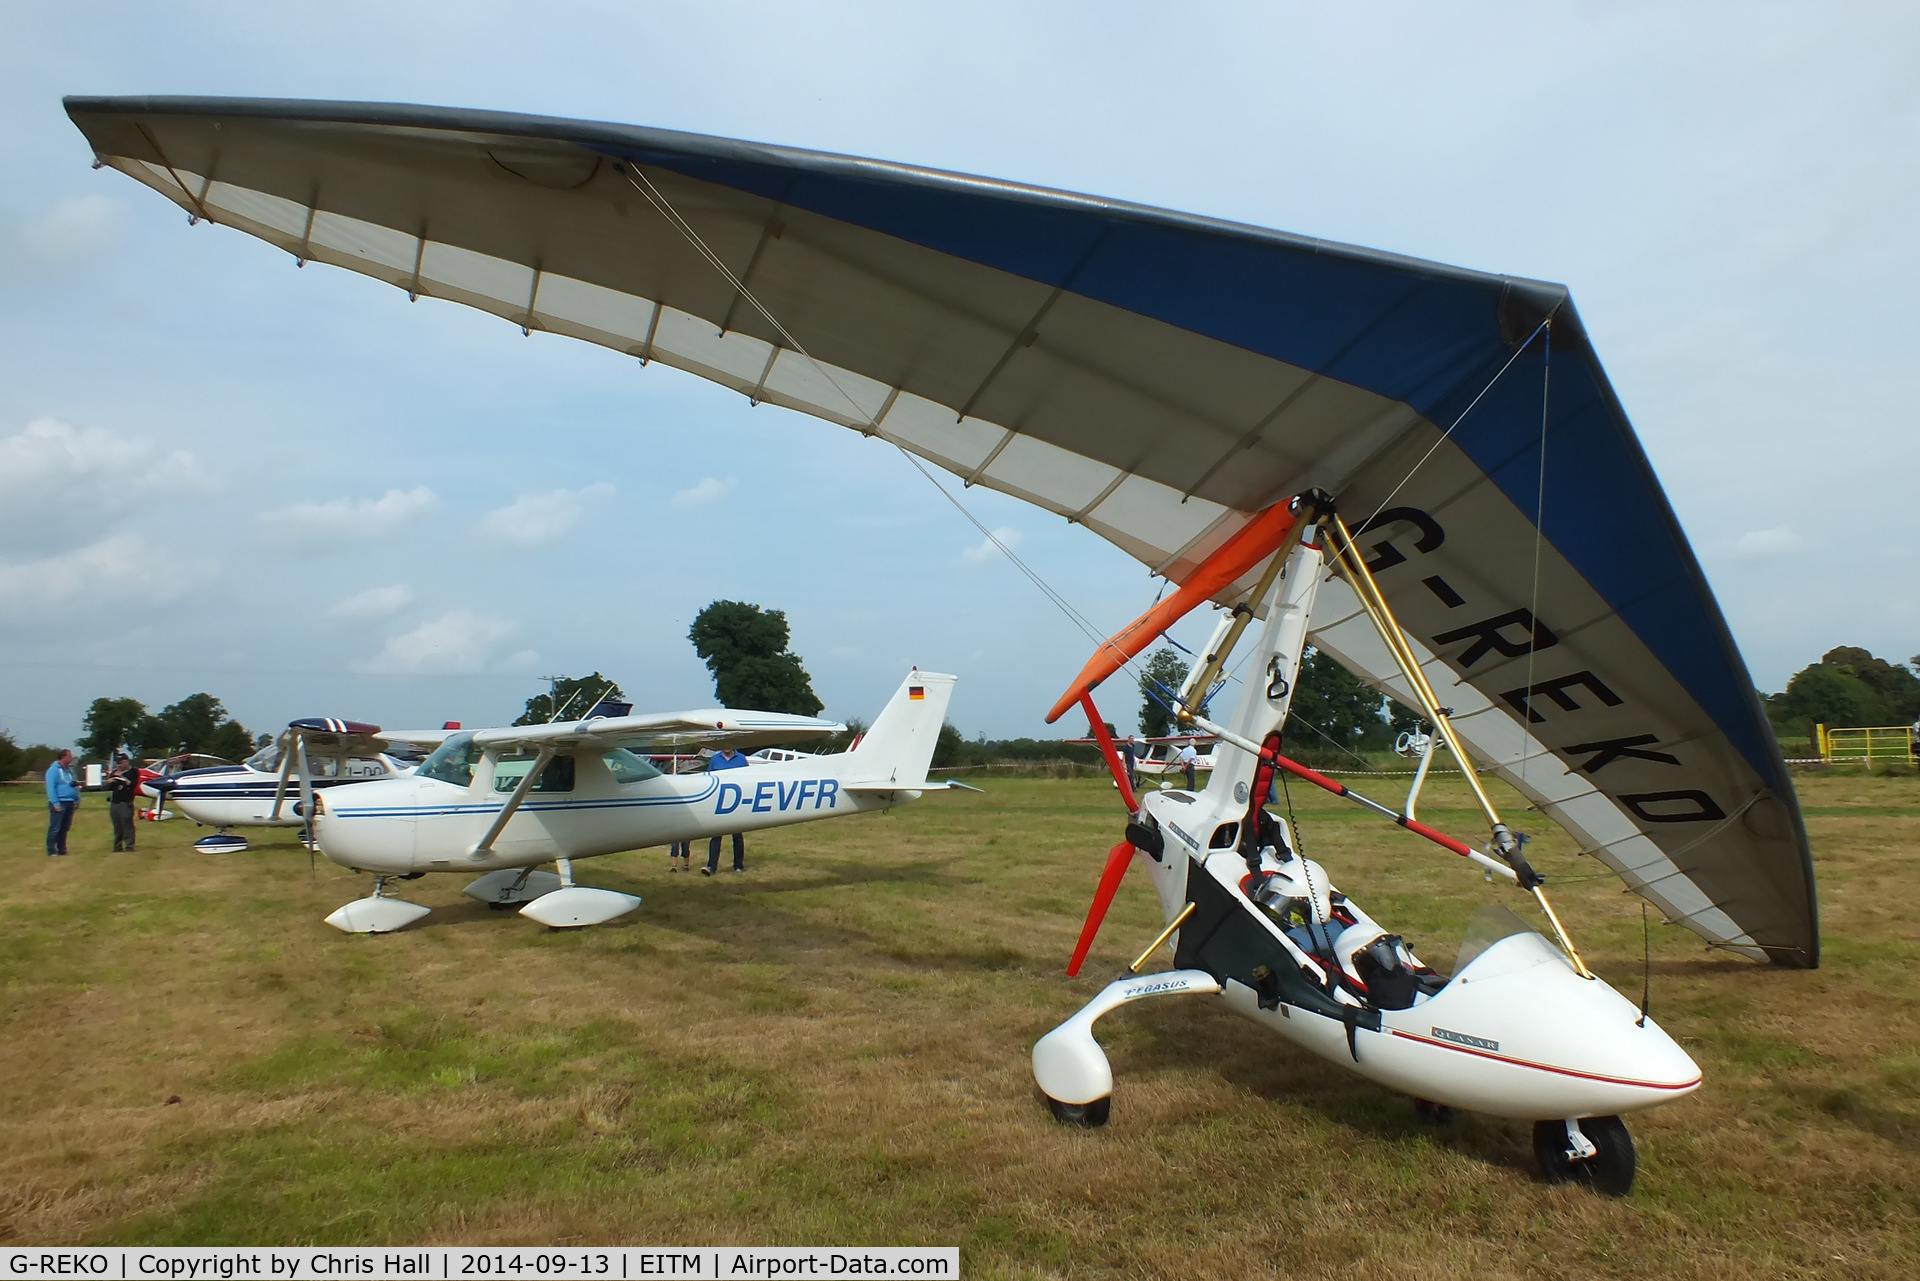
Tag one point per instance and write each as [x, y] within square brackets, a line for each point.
[1609, 1171]
[1090, 1115]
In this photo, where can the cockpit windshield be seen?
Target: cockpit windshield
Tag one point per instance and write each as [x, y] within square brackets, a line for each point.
[1489, 925]
[453, 761]
[266, 760]
[626, 767]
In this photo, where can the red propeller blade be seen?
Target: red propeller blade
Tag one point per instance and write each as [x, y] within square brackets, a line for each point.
[1098, 728]
[1118, 860]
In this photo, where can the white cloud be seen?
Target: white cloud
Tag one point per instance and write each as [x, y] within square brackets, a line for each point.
[53, 470]
[1009, 538]
[72, 230]
[374, 603]
[1765, 544]
[105, 575]
[458, 642]
[709, 489]
[355, 519]
[535, 520]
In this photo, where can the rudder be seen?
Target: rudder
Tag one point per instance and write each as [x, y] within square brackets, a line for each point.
[899, 746]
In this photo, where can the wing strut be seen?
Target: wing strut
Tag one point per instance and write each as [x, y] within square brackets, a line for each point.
[306, 785]
[540, 763]
[1352, 566]
[286, 768]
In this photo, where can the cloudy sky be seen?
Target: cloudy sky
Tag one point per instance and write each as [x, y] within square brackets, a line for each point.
[297, 491]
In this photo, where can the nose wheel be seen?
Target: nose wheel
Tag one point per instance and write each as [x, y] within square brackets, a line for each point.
[1594, 1151]
[1088, 1116]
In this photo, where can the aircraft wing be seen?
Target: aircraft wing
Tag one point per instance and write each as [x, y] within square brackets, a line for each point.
[328, 734]
[412, 737]
[1160, 378]
[708, 727]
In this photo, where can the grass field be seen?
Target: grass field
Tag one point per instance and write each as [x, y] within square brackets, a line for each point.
[832, 1049]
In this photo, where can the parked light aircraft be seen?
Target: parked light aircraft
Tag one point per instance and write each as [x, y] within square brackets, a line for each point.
[1161, 754]
[268, 789]
[503, 801]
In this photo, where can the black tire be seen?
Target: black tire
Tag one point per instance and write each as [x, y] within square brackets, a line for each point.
[1086, 1115]
[1609, 1171]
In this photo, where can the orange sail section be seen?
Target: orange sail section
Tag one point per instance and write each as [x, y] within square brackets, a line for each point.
[1255, 541]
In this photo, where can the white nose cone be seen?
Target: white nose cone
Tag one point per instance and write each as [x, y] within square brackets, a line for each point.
[1517, 1033]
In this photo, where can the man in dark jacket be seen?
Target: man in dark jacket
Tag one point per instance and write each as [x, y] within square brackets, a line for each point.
[122, 784]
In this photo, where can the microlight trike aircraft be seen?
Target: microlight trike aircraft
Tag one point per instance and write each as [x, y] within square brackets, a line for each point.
[1168, 381]
[274, 786]
[1521, 1029]
[501, 802]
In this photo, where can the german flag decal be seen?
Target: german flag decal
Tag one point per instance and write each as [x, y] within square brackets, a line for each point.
[917, 693]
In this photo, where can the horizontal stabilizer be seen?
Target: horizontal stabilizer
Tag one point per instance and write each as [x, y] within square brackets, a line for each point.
[885, 785]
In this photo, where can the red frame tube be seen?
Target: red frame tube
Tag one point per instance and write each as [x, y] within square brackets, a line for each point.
[1341, 789]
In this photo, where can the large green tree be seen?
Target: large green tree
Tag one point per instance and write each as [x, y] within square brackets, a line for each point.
[745, 647]
[1847, 688]
[569, 698]
[1160, 678]
[109, 724]
[1344, 711]
[13, 761]
[197, 723]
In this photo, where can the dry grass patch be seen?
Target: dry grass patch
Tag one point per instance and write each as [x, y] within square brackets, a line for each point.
[833, 1048]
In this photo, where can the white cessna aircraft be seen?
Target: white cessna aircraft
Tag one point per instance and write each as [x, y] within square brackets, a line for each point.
[503, 801]
[271, 787]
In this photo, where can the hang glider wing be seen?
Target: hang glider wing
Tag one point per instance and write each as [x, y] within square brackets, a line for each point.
[1160, 378]
[709, 727]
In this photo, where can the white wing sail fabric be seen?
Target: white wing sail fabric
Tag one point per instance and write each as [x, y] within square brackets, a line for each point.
[1156, 377]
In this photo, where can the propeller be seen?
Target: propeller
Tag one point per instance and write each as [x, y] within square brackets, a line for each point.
[1121, 855]
[1119, 858]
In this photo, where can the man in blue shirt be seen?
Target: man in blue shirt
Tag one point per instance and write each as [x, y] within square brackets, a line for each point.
[63, 798]
[725, 758]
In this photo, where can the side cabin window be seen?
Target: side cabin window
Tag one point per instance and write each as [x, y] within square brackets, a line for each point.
[627, 767]
[452, 761]
[556, 777]
[365, 767]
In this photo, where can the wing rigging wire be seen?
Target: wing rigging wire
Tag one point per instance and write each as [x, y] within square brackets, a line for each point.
[1432, 449]
[638, 179]
[1539, 520]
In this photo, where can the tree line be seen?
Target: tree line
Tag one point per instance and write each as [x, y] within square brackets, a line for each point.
[1847, 689]
[197, 723]
[745, 649]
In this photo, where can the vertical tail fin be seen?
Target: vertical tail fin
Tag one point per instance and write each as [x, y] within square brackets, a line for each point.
[899, 745]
